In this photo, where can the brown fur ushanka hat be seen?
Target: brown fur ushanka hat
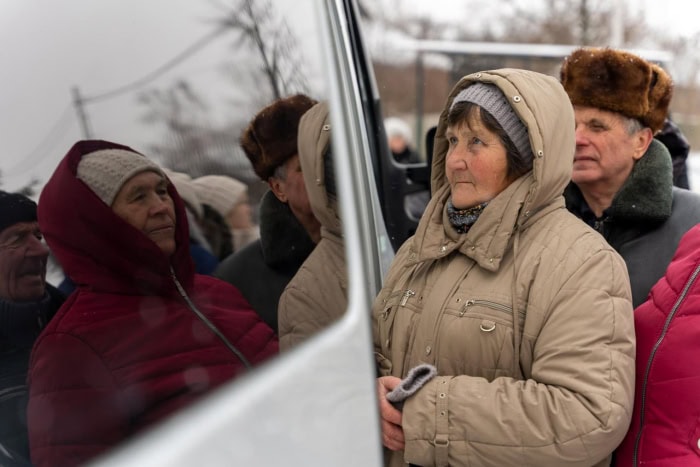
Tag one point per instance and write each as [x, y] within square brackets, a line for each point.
[620, 82]
[270, 139]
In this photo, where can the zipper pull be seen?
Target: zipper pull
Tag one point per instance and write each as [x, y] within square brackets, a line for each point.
[599, 225]
[467, 304]
[406, 295]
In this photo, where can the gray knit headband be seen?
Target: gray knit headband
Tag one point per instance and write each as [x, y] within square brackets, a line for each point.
[490, 98]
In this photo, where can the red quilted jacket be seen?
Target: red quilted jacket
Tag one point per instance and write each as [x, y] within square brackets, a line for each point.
[129, 346]
[665, 428]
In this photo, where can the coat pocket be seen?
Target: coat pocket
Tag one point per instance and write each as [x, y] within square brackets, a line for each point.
[485, 328]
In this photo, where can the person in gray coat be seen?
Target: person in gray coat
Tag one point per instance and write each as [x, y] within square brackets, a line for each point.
[622, 179]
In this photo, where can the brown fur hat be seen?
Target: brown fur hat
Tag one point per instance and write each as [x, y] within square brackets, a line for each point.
[270, 139]
[620, 82]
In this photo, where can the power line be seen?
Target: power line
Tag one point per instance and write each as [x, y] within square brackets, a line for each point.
[191, 50]
[57, 131]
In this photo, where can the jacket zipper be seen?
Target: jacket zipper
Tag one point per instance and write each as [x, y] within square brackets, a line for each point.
[657, 344]
[598, 225]
[208, 323]
[406, 296]
[493, 305]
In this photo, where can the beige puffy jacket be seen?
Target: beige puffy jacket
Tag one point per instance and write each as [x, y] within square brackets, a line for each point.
[549, 384]
[317, 295]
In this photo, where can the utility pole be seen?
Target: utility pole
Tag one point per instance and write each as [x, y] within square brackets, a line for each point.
[425, 27]
[80, 110]
[585, 20]
[420, 85]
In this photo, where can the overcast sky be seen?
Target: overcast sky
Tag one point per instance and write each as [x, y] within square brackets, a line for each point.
[676, 16]
[51, 46]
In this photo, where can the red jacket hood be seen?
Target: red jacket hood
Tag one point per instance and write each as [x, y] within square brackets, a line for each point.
[98, 249]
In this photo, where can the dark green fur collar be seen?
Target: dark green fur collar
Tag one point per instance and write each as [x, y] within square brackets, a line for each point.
[648, 192]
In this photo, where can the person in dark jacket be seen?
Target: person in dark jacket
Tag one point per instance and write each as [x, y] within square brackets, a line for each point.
[204, 260]
[289, 230]
[665, 428]
[679, 148]
[142, 335]
[27, 303]
[228, 196]
[399, 139]
[622, 180]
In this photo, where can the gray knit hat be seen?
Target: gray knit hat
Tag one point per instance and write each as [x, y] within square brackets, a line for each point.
[106, 171]
[490, 98]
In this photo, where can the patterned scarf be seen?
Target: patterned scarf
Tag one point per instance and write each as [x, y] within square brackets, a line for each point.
[463, 219]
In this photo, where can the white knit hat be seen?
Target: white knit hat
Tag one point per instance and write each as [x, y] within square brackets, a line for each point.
[396, 127]
[107, 170]
[219, 191]
[186, 190]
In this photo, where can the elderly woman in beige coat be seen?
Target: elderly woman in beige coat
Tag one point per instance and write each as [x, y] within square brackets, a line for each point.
[524, 311]
[317, 295]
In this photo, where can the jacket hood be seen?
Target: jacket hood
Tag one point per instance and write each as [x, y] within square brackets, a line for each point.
[314, 143]
[98, 249]
[544, 107]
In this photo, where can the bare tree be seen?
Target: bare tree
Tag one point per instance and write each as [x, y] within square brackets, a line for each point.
[685, 68]
[582, 22]
[397, 16]
[190, 143]
[259, 27]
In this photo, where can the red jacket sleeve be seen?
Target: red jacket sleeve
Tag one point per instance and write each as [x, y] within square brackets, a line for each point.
[74, 410]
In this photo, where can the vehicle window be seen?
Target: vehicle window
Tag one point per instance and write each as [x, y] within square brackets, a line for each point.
[179, 82]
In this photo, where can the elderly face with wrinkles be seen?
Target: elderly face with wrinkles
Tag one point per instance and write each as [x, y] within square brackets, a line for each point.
[22, 263]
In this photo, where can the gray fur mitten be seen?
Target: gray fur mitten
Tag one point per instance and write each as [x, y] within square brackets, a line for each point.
[416, 379]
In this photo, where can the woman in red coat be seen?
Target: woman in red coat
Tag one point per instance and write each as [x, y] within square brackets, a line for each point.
[665, 428]
[142, 335]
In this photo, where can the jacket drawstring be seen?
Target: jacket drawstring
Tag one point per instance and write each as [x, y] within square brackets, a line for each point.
[517, 372]
[208, 323]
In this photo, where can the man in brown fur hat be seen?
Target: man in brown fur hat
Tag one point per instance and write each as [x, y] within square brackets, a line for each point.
[622, 180]
[288, 228]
